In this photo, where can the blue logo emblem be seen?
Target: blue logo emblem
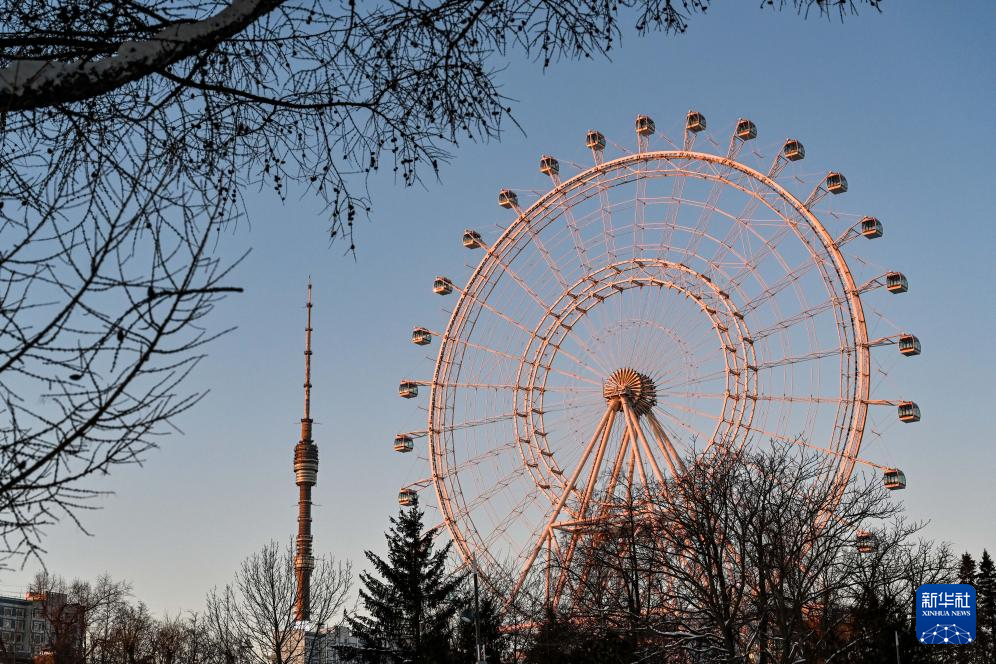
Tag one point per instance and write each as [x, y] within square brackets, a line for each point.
[945, 613]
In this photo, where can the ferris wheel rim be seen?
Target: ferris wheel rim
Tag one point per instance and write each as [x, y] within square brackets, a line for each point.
[852, 299]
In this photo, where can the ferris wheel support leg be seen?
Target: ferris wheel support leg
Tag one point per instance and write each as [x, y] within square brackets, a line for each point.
[617, 466]
[599, 457]
[583, 507]
[637, 462]
[548, 530]
[665, 442]
[635, 423]
[549, 566]
[621, 455]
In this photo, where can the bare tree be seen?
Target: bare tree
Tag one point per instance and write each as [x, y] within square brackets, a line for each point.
[748, 556]
[130, 131]
[252, 619]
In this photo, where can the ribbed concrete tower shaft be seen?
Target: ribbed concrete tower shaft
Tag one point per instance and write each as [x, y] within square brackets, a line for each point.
[306, 476]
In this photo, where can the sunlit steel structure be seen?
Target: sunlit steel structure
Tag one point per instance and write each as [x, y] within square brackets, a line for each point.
[658, 303]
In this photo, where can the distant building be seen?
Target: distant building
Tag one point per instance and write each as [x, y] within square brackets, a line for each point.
[326, 645]
[45, 625]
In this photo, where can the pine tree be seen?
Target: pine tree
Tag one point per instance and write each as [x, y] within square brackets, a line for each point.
[985, 588]
[553, 641]
[409, 599]
[489, 621]
[968, 654]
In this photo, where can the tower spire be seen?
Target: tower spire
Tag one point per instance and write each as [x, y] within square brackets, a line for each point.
[306, 476]
[307, 360]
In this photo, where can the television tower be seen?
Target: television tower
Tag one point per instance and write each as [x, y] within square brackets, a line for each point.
[306, 476]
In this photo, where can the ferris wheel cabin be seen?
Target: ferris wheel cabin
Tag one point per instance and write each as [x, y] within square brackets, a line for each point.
[836, 183]
[746, 130]
[909, 344]
[909, 411]
[865, 541]
[595, 140]
[442, 286]
[421, 336]
[793, 150]
[695, 122]
[472, 239]
[408, 389]
[406, 497]
[549, 165]
[403, 443]
[894, 479]
[508, 199]
[895, 282]
[871, 228]
[645, 125]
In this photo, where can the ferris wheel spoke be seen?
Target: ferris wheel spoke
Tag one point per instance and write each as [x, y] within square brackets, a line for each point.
[475, 386]
[599, 372]
[467, 509]
[568, 213]
[739, 225]
[681, 423]
[690, 410]
[795, 319]
[799, 441]
[474, 461]
[808, 357]
[541, 246]
[715, 191]
[639, 205]
[591, 354]
[519, 358]
[769, 248]
[482, 421]
[697, 395]
[695, 381]
[484, 304]
[550, 262]
[784, 398]
[514, 515]
[521, 283]
[529, 333]
[677, 188]
[608, 231]
[790, 279]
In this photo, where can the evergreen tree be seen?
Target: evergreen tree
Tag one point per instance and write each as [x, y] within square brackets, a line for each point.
[985, 588]
[553, 641]
[968, 654]
[877, 619]
[559, 640]
[489, 621]
[966, 570]
[409, 599]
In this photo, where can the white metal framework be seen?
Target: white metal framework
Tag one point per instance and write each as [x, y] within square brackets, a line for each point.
[655, 304]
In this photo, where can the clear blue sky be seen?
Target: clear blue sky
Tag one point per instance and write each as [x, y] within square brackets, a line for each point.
[903, 102]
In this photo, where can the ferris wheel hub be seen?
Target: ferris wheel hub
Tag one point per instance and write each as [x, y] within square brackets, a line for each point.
[635, 387]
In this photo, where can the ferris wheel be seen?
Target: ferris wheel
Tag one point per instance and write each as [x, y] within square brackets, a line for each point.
[666, 301]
